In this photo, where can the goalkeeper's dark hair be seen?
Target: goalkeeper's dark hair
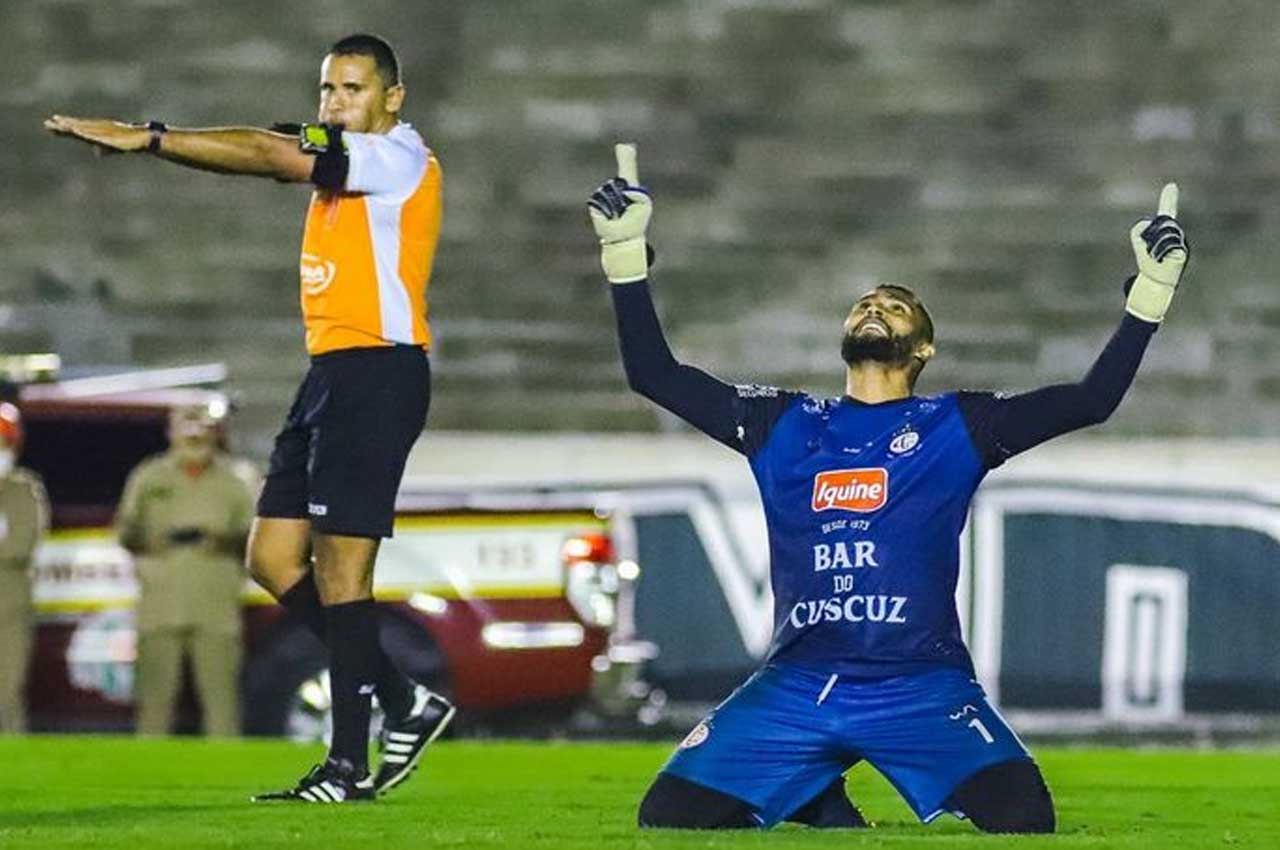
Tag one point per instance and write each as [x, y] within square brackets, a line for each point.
[364, 44]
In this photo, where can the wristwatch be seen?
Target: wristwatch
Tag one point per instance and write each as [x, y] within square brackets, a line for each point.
[157, 129]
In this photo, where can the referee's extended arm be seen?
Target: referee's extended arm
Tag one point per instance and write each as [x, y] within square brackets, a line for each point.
[227, 150]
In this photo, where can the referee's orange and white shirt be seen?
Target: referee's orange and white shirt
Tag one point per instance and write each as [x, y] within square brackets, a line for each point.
[367, 250]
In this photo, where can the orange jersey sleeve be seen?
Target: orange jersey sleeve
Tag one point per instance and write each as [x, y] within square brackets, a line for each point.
[367, 251]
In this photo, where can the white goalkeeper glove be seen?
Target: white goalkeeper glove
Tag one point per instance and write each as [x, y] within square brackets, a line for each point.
[1161, 249]
[620, 211]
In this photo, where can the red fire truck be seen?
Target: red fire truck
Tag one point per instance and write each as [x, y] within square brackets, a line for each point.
[517, 613]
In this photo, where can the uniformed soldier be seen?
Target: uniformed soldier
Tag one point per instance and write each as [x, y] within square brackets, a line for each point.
[185, 516]
[24, 518]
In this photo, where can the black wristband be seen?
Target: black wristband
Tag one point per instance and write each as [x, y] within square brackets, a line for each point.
[158, 129]
[324, 142]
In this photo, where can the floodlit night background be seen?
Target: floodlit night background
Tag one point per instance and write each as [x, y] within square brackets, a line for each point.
[991, 154]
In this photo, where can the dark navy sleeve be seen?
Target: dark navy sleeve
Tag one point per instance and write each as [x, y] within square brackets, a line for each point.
[738, 416]
[1003, 426]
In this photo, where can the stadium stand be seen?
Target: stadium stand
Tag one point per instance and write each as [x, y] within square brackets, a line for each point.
[990, 153]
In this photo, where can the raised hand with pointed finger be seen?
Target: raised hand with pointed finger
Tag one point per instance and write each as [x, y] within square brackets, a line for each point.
[1162, 251]
[620, 210]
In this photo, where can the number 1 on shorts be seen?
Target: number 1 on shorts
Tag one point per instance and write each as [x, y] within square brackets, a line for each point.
[976, 723]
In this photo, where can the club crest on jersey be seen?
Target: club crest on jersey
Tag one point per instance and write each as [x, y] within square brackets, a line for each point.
[857, 490]
[699, 734]
[904, 442]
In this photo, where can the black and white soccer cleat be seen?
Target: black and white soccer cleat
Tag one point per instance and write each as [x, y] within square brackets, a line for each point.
[334, 781]
[404, 741]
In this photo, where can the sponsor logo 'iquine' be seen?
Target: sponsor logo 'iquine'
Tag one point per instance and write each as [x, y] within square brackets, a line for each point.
[858, 490]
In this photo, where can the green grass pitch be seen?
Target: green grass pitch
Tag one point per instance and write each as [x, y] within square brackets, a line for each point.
[117, 792]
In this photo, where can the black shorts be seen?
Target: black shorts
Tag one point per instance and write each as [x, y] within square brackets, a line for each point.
[340, 456]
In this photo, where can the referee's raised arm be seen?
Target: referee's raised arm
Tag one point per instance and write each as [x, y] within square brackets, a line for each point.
[357, 95]
[227, 150]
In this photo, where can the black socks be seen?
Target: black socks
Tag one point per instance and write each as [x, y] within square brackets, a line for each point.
[354, 659]
[393, 688]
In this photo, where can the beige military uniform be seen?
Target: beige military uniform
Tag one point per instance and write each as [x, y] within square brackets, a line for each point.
[189, 590]
[24, 518]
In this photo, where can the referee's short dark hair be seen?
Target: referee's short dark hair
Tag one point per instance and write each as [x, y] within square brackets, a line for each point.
[363, 44]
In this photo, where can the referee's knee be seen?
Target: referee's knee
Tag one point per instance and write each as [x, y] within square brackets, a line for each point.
[276, 554]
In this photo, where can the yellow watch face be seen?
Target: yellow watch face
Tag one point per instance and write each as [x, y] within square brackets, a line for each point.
[316, 138]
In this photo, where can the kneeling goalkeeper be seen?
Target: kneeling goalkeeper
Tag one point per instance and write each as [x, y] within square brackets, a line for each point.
[865, 497]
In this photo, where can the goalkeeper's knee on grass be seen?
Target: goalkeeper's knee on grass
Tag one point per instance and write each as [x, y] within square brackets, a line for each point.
[1009, 797]
[676, 803]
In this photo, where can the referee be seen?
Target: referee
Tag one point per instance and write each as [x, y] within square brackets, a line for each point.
[329, 498]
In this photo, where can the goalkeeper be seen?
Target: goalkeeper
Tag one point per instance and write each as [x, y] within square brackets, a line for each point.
[865, 497]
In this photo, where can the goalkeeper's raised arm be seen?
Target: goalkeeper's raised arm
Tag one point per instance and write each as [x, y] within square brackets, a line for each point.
[737, 416]
[1004, 426]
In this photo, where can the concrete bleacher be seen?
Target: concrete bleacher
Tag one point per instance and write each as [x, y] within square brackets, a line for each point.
[990, 153]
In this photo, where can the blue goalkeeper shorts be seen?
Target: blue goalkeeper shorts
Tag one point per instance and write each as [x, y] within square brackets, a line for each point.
[788, 733]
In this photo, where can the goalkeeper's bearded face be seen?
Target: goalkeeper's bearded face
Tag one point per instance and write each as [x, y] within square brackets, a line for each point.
[888, 325]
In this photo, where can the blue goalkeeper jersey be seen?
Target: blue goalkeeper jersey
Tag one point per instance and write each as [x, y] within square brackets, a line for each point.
[864, 505]
[865, 502]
